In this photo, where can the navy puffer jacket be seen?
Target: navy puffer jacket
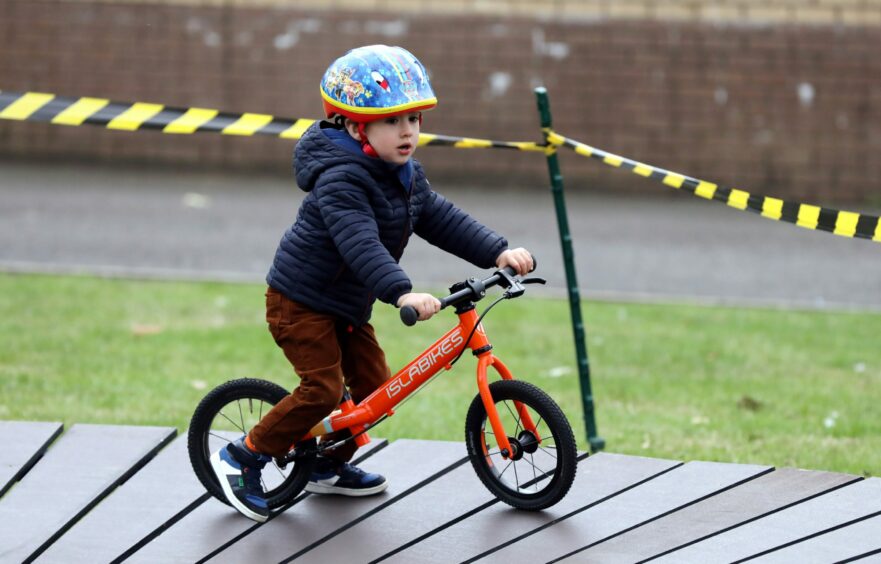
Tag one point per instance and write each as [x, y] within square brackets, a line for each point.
[342, 252]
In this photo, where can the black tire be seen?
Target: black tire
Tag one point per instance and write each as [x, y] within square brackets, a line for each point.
[539, 474]
[225, 414]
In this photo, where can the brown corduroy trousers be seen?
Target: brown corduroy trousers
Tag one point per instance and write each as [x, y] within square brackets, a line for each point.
[326, 353]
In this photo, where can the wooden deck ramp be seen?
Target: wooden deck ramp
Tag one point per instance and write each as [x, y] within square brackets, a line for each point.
[97, 493]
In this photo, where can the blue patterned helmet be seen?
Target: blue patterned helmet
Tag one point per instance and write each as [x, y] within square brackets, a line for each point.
[374, 82]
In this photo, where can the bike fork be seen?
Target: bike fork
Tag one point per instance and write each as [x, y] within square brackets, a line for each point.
[489, 405]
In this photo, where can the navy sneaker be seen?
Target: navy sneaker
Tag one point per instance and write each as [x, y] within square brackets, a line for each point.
[238, 470]
[334, 477]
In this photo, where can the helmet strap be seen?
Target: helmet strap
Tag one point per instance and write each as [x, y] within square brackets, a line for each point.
[365, 143]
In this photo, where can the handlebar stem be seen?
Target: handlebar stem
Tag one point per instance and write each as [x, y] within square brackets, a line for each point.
[466, 292]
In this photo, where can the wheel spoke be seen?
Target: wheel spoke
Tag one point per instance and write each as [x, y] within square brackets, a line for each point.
[534, 483]
[515, 416]
[222, 438]
[241, 415]
[516, 477]
[538, 479]
[485, 430]
[546, 451]
[534, 468]
[538, 423]
[532, 463]
[510, 463]
[236, 425]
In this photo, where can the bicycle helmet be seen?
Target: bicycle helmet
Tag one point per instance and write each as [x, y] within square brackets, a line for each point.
[374, 82]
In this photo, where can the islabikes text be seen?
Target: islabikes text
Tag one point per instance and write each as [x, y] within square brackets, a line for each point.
[425, 362]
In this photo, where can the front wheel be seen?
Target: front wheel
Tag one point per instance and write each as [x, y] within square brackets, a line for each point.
[225, 414]
[541, 469]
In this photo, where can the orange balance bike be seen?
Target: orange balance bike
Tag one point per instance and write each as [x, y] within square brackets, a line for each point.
[518, 439]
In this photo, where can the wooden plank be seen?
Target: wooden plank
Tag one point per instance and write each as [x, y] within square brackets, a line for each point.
[165, 487]
[600, 476]
[24, 442]
[79, 470]
[411, 466]
[162, 492]
[673, 490]
[765, 494]
[860, 538]
[441, 502]
[214, 525]
[437, 503]
[854, 501]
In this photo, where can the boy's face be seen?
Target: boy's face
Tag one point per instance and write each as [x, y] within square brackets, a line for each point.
[394, 139]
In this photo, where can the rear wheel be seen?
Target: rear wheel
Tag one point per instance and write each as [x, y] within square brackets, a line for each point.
[541, 468]
[225, 414]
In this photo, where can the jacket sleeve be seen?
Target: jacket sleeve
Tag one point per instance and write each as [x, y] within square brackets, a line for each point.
[444, 225]
[350, 220]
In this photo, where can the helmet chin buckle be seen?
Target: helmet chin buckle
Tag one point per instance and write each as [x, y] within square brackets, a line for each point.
[369, 150]
[365, 143]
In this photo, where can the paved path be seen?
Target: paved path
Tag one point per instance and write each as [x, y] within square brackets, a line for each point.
[60, 508]
[189, 225]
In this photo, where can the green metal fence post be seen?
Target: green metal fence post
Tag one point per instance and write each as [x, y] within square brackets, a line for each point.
[595, 441]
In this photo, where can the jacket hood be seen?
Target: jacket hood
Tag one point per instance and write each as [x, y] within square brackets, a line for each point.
[316, 152]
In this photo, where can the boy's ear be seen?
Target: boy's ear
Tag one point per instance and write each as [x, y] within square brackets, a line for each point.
[352, 128]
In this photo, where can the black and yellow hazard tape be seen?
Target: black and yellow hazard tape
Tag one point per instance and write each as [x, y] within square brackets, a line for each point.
[37, 106]
[134, 116]
[843, 223]
[430, 139]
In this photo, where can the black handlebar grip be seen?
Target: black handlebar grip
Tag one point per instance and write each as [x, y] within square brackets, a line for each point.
[409, 315]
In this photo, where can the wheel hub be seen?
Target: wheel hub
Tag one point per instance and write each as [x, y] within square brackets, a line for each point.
[524, 443]
[516, 450]
[527, 441]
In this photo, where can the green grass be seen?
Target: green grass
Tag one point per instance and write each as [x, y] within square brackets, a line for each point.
[787, 388]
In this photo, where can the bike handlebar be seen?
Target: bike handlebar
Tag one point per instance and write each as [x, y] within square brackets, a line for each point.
[472, 289]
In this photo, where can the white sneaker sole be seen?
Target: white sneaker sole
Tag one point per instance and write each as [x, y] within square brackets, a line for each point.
[222, 469]
[317, 488]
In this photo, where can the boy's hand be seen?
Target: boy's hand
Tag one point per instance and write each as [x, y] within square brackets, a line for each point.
[426, 305]
[519, 259]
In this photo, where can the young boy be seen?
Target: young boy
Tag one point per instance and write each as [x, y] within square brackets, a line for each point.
[365, 197]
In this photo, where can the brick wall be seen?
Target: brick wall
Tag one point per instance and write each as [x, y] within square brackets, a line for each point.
[742, 97]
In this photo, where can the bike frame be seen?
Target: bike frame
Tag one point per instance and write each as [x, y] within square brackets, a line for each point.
[382, 402]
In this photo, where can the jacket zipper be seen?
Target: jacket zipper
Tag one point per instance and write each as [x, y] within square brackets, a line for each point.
[407, 194]
[400, 250]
